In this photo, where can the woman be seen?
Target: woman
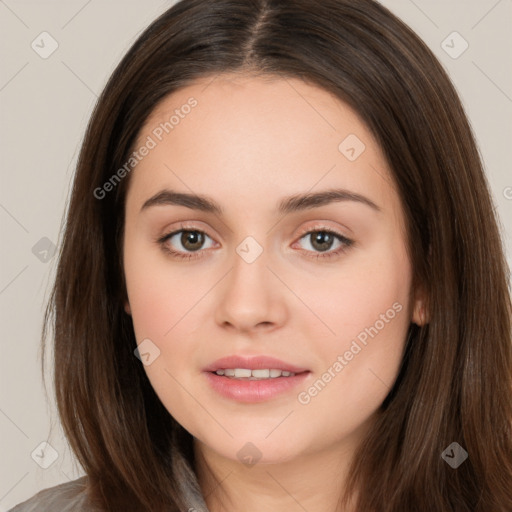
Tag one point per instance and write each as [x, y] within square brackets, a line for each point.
[282, 282]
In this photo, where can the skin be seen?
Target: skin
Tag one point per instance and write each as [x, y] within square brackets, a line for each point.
[250, 142]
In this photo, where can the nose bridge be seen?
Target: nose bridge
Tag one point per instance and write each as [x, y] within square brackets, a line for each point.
[248, 294]
[249, 274]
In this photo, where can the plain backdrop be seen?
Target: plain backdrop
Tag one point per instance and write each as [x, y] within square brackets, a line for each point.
[45, 103]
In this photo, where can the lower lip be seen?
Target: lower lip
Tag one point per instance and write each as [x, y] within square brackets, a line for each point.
[252, 391]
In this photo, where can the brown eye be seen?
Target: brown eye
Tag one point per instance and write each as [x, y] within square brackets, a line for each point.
[192, 240]
[322, 240]
[324, 243]
[185, 241]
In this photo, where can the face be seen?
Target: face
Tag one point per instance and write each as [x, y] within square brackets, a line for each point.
[322, 285]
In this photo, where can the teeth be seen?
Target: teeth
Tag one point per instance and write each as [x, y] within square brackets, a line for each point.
[242, 372]
[261, 374]
[245, 373]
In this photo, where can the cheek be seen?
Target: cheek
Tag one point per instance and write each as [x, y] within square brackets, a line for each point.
[160, 301]
[365, 299]
[159, 294]
[152, 304]
[167, 308]
[368, 309]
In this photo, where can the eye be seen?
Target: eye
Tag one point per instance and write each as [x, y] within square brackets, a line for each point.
[322, 240]
[187, 241]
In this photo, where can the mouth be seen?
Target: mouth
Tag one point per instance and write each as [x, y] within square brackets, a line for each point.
[253, 379]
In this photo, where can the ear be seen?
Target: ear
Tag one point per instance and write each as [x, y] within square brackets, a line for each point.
[127, 307]
[420, 314]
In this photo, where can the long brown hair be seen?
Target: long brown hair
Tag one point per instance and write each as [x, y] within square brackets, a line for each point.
[455, 382]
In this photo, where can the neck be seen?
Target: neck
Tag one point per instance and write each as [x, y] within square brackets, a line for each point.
[311, 482]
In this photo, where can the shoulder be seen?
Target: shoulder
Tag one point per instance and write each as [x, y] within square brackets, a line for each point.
[67, 497]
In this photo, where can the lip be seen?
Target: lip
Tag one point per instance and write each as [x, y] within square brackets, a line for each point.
[253, 363]
[252, 391]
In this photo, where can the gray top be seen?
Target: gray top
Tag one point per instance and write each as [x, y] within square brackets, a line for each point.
[67, 497]
[72, 497]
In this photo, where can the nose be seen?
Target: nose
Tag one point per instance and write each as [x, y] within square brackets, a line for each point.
[250, 297]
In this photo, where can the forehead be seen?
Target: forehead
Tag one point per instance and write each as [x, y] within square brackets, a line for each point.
[260, 134]
[261, 107]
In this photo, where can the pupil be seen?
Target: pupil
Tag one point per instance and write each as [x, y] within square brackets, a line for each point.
[321, 238]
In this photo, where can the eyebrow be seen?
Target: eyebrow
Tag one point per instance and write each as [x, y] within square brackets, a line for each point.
[295, 203]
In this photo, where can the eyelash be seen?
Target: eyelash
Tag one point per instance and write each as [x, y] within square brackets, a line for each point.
[189, 256]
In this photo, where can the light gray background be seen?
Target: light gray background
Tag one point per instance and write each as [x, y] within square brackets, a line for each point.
[45, 105]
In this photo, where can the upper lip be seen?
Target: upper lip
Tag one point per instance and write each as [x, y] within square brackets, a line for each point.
[253, 363]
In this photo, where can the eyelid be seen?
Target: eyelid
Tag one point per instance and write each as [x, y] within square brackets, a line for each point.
[322, 226]
[183, 226]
